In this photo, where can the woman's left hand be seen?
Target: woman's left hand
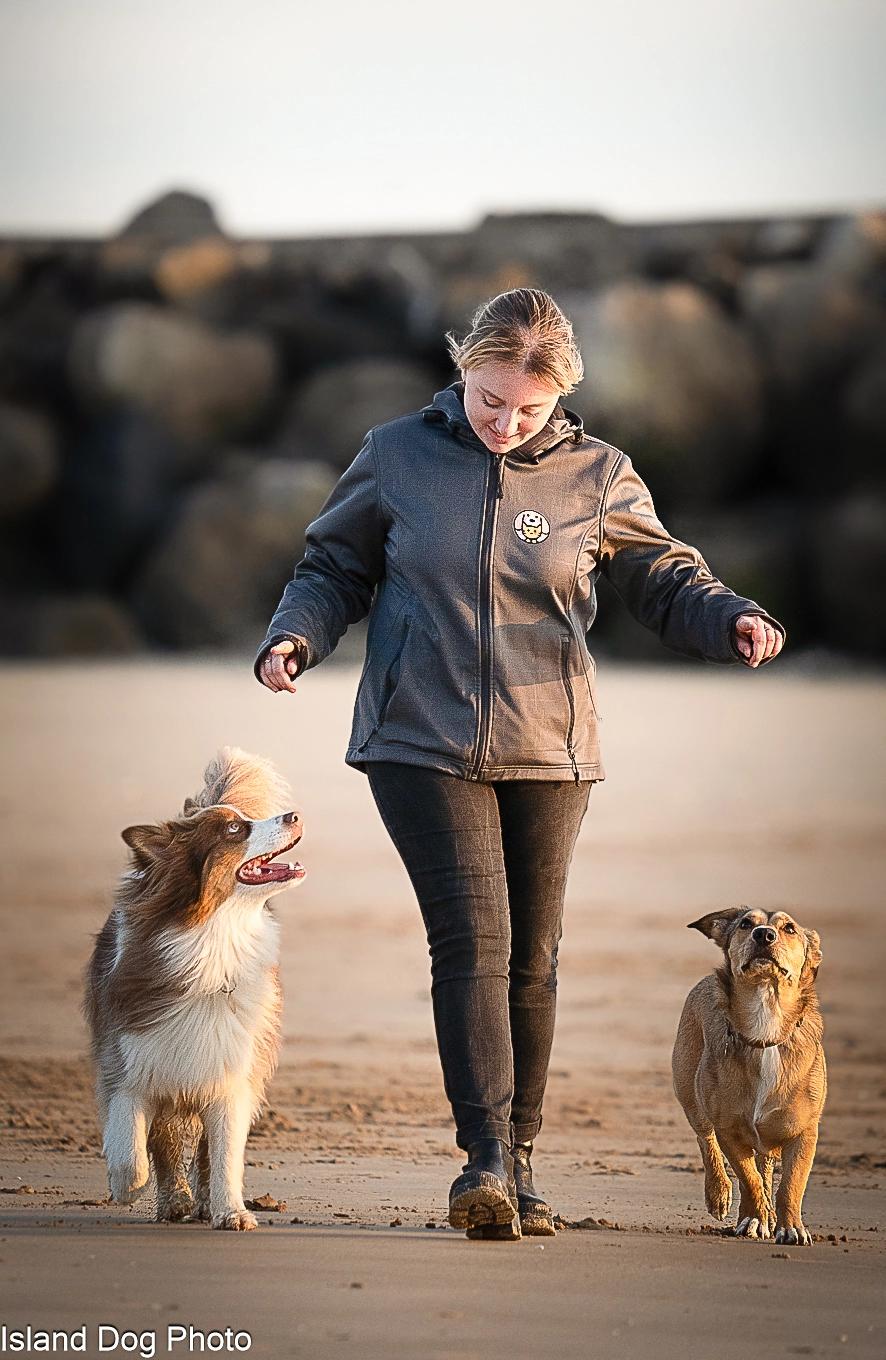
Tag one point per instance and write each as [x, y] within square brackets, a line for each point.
[756, 639]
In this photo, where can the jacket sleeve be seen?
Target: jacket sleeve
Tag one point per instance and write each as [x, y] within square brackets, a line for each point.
[333, 584]
[666, 584]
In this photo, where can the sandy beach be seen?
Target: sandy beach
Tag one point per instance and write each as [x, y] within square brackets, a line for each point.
[724, 786]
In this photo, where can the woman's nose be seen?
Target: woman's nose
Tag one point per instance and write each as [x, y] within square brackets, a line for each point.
[507, 424]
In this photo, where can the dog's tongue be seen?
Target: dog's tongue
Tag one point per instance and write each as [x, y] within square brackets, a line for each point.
[272, 871]
[279, 872]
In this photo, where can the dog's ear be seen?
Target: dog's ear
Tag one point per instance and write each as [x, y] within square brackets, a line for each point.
[813, 953]
[190, 805]
[148, 842]
[716, 924]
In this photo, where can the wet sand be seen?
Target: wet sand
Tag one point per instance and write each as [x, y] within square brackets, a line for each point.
[723, 787]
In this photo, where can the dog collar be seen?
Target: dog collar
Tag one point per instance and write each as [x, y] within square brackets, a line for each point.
[734, 1038]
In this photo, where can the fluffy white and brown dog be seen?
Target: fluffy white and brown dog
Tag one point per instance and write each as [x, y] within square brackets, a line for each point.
[183, 993]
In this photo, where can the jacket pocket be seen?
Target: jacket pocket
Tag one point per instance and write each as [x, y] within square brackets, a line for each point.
[389, 683]
[581, 653]
[565, 645]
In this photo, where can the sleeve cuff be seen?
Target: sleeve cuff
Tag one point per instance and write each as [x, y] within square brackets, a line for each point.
[302, 652]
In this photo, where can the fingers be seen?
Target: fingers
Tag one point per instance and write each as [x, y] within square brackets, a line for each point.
[757, 640]
[279, 666]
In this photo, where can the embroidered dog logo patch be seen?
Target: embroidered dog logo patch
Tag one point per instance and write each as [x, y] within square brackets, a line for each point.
[531, 526]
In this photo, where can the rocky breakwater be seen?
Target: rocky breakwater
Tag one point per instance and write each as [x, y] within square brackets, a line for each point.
[176, 404]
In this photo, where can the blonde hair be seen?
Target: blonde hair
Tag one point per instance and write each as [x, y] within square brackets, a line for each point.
[524, 327]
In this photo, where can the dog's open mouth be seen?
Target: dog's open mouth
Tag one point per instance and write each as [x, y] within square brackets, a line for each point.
[268, 869]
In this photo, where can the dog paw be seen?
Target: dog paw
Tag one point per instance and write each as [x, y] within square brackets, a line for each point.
[176, 1208]
[200, 1212]
[793, 1235]
[718, 1199]
[753, 1227]
[126, 1183]
[235, 1220]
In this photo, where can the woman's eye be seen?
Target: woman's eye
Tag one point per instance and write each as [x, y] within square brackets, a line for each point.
[491, 404]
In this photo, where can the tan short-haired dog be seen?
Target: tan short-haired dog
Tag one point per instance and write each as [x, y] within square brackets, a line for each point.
[749, 1068]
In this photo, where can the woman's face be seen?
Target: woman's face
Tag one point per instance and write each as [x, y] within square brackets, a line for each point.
[505, 405]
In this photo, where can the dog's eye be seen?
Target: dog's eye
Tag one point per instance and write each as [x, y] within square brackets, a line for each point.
[745, 924]
[232, 828]
[789, 929]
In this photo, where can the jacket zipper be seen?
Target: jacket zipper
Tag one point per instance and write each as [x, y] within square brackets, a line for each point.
[566, 640]
[492, 496]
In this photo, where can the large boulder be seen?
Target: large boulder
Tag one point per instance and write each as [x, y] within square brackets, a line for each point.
[674, 382]
[29, 459]
[57, 625]
[117, 493]
[813, 329]
[848, 563]
[205, 387]
[176, 217]
[854, 248]
[865, 414]
[759, 550]
[332, 410]
[216, 577]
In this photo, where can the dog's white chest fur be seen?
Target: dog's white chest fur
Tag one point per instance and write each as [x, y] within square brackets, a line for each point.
[208, 1035]
[763, 1023]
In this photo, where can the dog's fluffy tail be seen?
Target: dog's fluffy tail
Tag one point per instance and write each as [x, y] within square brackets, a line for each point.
[249, 783]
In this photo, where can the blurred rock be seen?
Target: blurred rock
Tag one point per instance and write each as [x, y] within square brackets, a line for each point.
[672, 381]
[11, 271]
[332, 410]
[854, 248]
[865, 411]
[119, 488]
[202, 385]
[217, 575]
[29, 459]
[174, 218]
[849, 569]
[757, 550]
[813, 330]
[184, 271]
[66, 625]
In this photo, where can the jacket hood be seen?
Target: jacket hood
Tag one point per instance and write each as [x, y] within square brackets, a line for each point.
[448, 406]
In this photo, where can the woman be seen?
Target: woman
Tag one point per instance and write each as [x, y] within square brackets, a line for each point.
[472, 532]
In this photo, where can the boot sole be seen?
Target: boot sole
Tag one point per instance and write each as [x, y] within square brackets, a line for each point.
[496, 1232]
[538, 1223]
[480, 1202]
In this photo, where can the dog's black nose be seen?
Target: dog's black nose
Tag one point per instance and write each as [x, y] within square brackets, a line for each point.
[765, 935]
[290, 819]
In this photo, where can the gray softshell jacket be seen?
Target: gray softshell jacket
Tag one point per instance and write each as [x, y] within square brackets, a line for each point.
[477, 571]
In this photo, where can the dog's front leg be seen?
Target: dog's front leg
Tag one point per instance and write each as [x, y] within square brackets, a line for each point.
[226, 1122]
[753, 1209]
[125, 1146]
[796, 1163]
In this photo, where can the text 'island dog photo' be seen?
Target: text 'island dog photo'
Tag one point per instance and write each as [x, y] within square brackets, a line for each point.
[443, 512]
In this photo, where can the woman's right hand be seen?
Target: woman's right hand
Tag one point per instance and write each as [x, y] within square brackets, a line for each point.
[279, 667]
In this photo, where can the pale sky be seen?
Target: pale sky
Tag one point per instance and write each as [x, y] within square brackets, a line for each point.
[302, 119]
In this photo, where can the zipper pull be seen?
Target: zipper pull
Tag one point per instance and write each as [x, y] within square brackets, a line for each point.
[499, 476]
[571, 751]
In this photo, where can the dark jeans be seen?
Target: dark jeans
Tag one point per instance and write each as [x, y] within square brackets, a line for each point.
[488, 862]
